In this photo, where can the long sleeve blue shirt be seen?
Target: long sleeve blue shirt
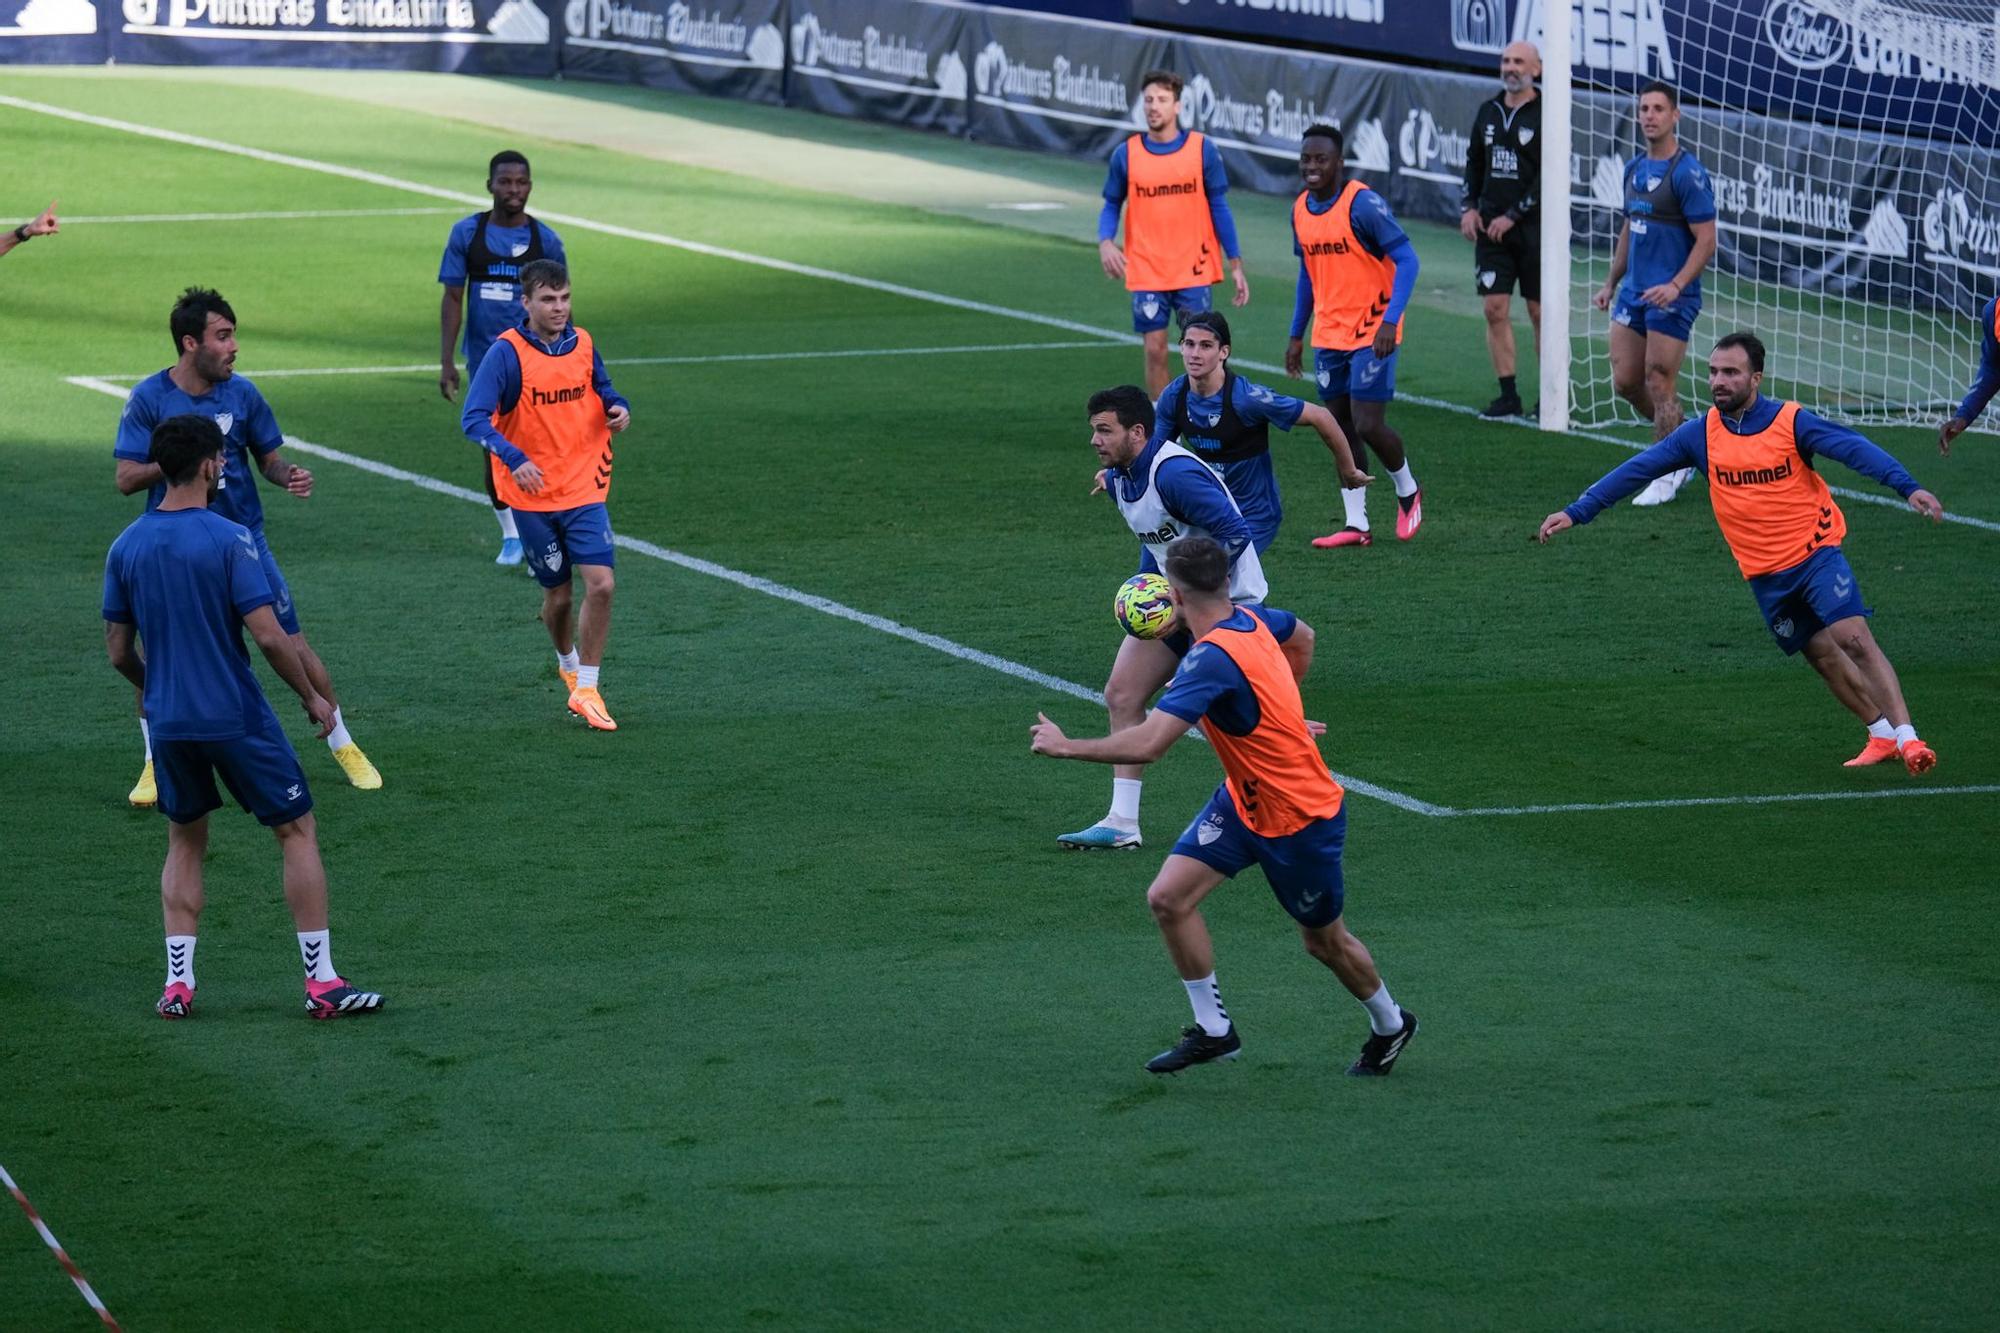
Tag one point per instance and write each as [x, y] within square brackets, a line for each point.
[496, 387]
[1987, 382]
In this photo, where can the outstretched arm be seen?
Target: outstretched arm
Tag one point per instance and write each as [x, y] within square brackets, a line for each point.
[1320, 419]
[1141, 744]
[45, 225]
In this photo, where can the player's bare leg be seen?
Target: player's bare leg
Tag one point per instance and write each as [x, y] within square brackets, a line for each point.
[360, 772]
[1353, 499]
[593, 631]
[328, 995]
[1390, 1025]
[1856, 642]
[1137, 673]
[1662, 373]
[1628, 369]
[1843, 677]
[180, 913]
[1175, 899]
[1158, 371]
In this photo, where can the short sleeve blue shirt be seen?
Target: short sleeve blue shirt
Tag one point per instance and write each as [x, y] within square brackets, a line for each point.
[1661, 199]
[186, 578]
[234, 405]
[491, 308]
[1210, 685]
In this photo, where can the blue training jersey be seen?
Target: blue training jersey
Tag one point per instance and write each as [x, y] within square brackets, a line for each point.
[235, 406]
[1252, 480]
[1210, 684]
[186, 578]
[1661, 198]
[491, 308]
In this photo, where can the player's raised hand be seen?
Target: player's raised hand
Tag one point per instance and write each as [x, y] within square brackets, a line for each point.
[1927, 504]
[46, 224]
[1295, 357]
[1113, 259]
[1555, 523]
[1385, 341]
[448, 382]
[528, 477]
[299, 482]
[618, 418]
[1045, 737]
[1950, 431]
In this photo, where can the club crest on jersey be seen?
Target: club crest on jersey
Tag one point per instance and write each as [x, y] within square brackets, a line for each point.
[224, 420]
[1783, 625]
[520, 249]
[1527, 136]
[1325, 378]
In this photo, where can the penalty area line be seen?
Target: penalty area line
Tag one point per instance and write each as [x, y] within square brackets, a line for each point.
[1113, 336]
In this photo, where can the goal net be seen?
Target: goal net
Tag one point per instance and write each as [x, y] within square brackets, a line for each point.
[1851, 146]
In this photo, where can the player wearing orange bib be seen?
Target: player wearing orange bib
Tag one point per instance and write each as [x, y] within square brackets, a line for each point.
[1171, 185]
[1778, 516]
[542, 405]
[1278, 807]
[1357, 272]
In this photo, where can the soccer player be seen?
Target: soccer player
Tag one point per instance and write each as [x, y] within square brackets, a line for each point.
[1654, 289]
[204, 381]
[1499, 215]
[1164, 493]
[1357, 272]
[1984, 385]
[1278, 807]
[45, 225]
[188, 582]
[543, 408]
[483, 259]
[1778, 516]
[1171, 184]
[1225, 421]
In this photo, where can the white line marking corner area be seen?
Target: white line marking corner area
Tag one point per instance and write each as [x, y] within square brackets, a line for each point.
[1019, 671]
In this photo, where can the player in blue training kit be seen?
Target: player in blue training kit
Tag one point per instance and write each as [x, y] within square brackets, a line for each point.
[1654, 289]
[188, 582]
[1225, 421]
[481, 275]
[1984, 384]
[1164, 493]
[204, 382]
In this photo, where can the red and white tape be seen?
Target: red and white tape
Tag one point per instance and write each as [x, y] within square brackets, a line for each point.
[62, 1256]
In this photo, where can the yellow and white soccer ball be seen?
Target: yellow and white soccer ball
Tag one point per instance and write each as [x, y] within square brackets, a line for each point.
[1143, 607]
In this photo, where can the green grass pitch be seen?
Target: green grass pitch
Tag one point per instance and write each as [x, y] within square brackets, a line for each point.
[779, 1008]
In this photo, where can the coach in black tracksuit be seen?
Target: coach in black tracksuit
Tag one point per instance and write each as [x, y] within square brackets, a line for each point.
[1500, 214]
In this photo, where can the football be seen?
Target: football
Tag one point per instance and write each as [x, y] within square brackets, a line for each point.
[1143, 607]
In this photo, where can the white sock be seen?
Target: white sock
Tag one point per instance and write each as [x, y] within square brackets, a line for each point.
[586, 676]
[567, 661]
[1125, 801]
[1905, 734]
[180, 960]
[1355, 501]
[338, 739]
[316, 952]
[1406, 485]
[146, 730]
[1881, 730]
[507, 528]
[1207, 1002]
[1385, 1019]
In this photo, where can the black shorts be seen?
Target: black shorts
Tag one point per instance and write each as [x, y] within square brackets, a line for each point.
[1516, 257]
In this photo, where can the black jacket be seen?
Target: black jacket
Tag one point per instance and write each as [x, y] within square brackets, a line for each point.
[1503, 166]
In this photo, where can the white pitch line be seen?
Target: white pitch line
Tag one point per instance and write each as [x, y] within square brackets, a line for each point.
[718, 359]
[783, 265]
[1680, 802]
[286, 216]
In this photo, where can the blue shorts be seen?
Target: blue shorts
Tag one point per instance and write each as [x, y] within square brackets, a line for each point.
[287, 614]
[1151, 311]
[555, 539]
[1801, 601]
[261, 771]
[1303, 868]
[1676, 321]
[1355, 374]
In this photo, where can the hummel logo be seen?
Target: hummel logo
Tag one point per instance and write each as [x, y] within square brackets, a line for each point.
[1308, 902]
[1370, 371]
[1842, 586]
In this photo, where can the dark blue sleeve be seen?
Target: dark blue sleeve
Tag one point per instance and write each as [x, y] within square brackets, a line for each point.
[1281, 623]
[1197, 496]
[495, 387]
[249, 587]
[451, 269]
[1302, 304]
[1167, 411]
[552, 246]
[1148, 562]
[1114, 196]
[1255, 403]
[1816, 435]
[1987, 382]
[1206, 674]
[1374, 227]
[262, 427]
[600, 379]
[1686, 447]
[1404, 257]
[135, 426]
[1695, 191]
[1215, 182]
[117, 606]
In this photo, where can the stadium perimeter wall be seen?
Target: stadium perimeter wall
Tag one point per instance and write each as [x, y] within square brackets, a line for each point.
[1842, 211]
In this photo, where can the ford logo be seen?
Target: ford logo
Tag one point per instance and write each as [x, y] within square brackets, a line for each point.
[1803, 34]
